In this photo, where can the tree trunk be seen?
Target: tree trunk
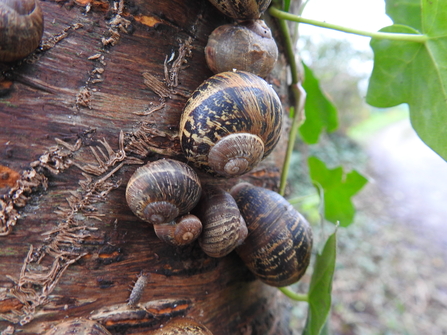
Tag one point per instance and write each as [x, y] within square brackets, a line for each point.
[81, 114]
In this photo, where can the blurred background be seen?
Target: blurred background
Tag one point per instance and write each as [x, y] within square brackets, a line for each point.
[390, 273]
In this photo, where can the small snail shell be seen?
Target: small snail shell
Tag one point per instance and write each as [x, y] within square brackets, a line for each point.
[247, 46]
[223, 226]
[160, 191]
[242, 9]
[78, 326]
[183, 326]
[279, 242]
[21, 28]
[183, 231]
[231, 122]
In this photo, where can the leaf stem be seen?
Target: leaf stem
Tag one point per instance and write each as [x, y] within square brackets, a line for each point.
[379, 35]
[292, 295]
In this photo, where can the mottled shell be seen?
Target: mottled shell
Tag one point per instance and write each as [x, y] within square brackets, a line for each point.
[78, 327]
[183, 326]
[242, 9]
[183, 231]
[160, 191]
[223, 226]
[230, 103]
[247, 46]
[279, 242]
[21, 28]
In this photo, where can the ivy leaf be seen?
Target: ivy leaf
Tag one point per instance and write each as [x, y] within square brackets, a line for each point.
[405, 12]
[415, 72]
[319, 110]
[321, 287]
[338, 188]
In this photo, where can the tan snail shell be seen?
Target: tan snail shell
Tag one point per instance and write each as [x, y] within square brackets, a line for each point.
[279, 242]
[223, 226]
[183, 231]
[242, 9]
[231, 122]
[79, 327]
[21, 28]
[247, 46]
[160, 191]
[183, 326]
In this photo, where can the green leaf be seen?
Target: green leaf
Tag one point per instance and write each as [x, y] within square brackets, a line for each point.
[320, 112]
[321, 287]
[415, 72]
[338, 188]
[405, 12]
[286, 5]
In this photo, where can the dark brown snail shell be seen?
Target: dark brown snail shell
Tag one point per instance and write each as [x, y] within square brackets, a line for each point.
[231, 122]
[279, 242]
[79, 327]
[247, 46]
[242, 9]
[21, 28]
[223, 226]
[183, 231]
[160, 191]
[183, 326]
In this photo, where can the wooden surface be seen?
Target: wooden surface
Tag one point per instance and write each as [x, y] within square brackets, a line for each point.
[76, 249]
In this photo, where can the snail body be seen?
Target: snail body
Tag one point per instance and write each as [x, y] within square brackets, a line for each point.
[242, 9]
[78, 326]
[183, 326]
[160, 191]
[231, 122]
[182, 231]
[21, 28]
[247, 46]
[279, 242]
[223, 226]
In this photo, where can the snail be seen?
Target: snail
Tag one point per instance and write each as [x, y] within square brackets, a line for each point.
[183, 326]
[247, 46]
[160, 191]
[223, 226]
[184, 230]
[21, 28]
[279, 242]
[230, 123]
[78, 326]
[242, 9]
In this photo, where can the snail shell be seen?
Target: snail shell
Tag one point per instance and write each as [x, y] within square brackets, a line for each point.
[223, 226]
[78, 326]
[160, 191]
[242, 9]
[247, 46]
[279, 242]
[21, 28]
[231, 122]
[183, 231]
[183, 326]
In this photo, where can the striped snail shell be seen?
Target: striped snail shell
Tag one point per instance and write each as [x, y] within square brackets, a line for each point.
[21, 28]
[182, 231]
[160, 191]
[79, 327]
[246, 46]
[183, 326]
[223, 226]
[242, 9]
[231, 122]
[279, 242]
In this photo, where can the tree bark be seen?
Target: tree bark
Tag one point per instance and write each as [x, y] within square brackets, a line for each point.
[81, 114]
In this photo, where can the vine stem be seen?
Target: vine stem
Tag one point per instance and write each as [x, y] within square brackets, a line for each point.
[292, 295]
[379, 35]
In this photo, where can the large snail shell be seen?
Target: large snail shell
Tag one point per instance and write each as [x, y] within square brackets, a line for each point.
[231, 122]
[160, 191]
[279, 242]
[79, 327]
[21, 28]
[183, 231]
[223, 226]
[242, 9]
[183, 326]
[247, 46]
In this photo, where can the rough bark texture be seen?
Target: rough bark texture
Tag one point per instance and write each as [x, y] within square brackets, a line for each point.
[74, 249]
